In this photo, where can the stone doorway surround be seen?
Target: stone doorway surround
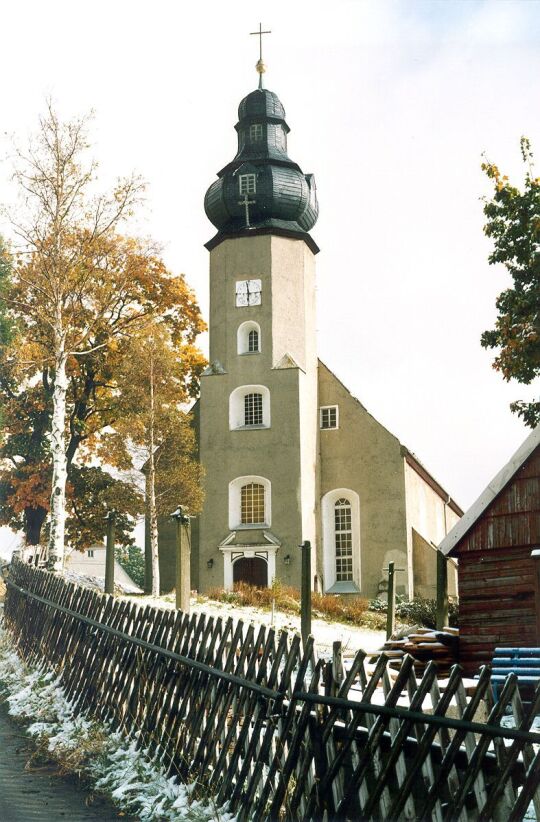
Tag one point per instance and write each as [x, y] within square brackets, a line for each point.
[233, 551]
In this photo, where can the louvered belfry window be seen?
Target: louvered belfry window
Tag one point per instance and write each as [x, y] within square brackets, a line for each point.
[343, 535]
[253, 409]
[252, 503]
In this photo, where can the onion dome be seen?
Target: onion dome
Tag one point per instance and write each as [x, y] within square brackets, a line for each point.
[262, 190]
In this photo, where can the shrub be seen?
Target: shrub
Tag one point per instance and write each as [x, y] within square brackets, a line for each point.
[286, 598]
[424, 612]
[131, 558]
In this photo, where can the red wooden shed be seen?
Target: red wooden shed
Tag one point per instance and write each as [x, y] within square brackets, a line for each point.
[497, 545]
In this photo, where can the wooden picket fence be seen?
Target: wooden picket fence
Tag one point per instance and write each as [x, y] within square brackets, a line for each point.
[270, 730]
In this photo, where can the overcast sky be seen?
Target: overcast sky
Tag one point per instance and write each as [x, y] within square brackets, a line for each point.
[390, 105]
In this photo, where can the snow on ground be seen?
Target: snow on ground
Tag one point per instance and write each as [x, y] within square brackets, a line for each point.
[325, 632]
[115, 766]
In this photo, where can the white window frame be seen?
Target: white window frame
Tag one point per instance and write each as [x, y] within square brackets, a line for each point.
[329, 541]
[236, 407]
[250, 290]
[328, 408]
[255, 133]
[247, 184]
[235, 503]
[242, 337]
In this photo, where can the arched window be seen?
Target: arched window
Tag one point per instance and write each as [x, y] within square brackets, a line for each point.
[250, 502]
[249, 407]
[343, 539]
[248, 338]
[253, 409]
[340, 510]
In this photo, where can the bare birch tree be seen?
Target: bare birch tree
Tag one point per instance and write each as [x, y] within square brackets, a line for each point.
[61, 284]
[156, 384]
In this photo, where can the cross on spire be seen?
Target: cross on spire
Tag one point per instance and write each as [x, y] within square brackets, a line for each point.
[246, 202]
[260, 67]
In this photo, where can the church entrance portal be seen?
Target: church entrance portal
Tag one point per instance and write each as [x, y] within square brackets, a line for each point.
[252, 570]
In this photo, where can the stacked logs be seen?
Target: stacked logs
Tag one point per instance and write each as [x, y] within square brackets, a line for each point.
[424, 645]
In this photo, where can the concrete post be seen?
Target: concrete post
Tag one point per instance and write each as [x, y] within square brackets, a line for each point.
[183, 560]
[109, 553]
[305, 600]
[442, 591]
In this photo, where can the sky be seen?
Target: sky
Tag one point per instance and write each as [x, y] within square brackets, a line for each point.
[391, 105]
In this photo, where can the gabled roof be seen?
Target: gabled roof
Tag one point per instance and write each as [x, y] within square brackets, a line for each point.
[497, 484]
[413, 461]
[409, 457]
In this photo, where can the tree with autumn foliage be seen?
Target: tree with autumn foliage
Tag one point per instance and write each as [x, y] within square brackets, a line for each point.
[79, 294]
[156, 383]
[513, 223]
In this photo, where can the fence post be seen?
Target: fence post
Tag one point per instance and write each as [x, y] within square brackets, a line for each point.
[183, 560]
[442, 591]
[109, 553]
[305, 599]
[391, 604]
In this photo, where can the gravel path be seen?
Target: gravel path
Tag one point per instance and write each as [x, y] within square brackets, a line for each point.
[39, 794]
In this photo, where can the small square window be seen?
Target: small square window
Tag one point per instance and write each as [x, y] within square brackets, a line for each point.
[90, 553]
[329, 416]
[247, 184]
[256, 132]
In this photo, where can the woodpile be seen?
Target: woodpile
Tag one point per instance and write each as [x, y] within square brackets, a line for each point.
[424, 645]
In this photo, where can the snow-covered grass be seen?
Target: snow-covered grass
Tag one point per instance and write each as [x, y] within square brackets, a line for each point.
[135, 783]
[325, 632]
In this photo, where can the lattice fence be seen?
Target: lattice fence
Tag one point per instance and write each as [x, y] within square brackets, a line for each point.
[275, 732]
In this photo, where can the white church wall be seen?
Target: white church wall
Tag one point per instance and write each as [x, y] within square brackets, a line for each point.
[431, 516]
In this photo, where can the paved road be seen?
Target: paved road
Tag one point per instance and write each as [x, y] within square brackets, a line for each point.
[39, 795]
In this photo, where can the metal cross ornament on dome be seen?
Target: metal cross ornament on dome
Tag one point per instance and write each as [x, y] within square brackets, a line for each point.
[246, 202]
[260, 67]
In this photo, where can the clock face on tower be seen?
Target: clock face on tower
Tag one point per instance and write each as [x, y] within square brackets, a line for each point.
[248, 292]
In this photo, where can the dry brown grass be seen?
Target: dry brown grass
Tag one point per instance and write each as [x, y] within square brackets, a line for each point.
[352, 610]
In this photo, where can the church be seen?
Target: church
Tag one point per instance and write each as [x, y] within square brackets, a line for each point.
[289, 454]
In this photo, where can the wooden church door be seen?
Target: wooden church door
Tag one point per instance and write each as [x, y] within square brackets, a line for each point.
[252, 570]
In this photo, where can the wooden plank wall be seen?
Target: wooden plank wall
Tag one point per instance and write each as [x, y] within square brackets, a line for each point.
[497, 601]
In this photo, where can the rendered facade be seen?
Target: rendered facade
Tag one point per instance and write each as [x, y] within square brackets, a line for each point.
[289, 454]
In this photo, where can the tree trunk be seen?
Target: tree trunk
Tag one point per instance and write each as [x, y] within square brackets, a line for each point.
[154, 547]
[152, 514]
[58, 449]
[33, 522]
[147, 541]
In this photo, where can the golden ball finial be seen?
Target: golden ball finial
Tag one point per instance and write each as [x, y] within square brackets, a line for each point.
[260, 67]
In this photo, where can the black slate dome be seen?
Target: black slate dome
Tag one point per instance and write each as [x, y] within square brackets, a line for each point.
[261, 102]
[280, 198]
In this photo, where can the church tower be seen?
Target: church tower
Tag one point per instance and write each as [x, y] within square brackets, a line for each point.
[258, 419]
